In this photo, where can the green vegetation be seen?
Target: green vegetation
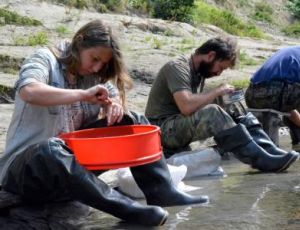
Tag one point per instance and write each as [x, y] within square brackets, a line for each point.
[168, 32]
[294, 7]
[3, 89]
[9, 17]
[187, 44]
[292, 30]
[62, 30]
[113, 5]
[156, 43]
[140, 5]
[240, 83]
[220, 1]
[10, 64]
[245, 60]
[179, 10]
[193, 11]
[204, 13]
[10, 70]
[100, 5]
[6, 92]
[101, 8]
[242, 3]
[80, 4]
[263, 12]
[148, 38]
[40, 38]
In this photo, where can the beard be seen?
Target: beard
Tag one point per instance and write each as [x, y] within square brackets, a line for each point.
[205, 69]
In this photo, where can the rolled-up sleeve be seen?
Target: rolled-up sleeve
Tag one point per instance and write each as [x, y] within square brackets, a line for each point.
[35, 68]
[112, 90]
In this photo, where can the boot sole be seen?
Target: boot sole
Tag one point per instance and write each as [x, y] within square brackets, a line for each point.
[287, 165]
[164, 219]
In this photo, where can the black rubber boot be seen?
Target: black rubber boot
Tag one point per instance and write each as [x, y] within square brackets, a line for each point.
[238, 141]
[294, 133]
[258, 134]
[155, 181]
[48, 171]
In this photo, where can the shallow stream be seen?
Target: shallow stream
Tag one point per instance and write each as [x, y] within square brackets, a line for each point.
[243, 199]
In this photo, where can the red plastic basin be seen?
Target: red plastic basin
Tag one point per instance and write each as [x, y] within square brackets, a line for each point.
[115, 147]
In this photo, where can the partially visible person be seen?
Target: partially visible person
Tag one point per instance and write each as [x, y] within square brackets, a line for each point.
[276, 85]
[185, 114]
[62, 89]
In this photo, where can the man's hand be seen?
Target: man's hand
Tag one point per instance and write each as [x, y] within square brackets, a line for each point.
[224, 89]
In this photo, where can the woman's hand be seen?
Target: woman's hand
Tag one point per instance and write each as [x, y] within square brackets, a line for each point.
[114, 112]
[97, 94]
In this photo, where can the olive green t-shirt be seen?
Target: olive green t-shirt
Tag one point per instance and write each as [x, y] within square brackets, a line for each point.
[173, 76]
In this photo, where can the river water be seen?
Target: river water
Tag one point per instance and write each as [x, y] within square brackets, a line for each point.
[243, 199]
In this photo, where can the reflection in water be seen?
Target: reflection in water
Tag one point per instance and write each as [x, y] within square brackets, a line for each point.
[181, 216]
[297, 188]
[260, 197]
[256, 212]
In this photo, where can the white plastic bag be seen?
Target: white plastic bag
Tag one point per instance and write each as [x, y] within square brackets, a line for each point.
[128, 185]
[198, 162]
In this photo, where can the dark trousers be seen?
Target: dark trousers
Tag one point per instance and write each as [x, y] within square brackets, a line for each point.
[278, 95]
[37, 174]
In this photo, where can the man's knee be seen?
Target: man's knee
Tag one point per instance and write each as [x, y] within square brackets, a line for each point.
[214, 116]
[211, 111]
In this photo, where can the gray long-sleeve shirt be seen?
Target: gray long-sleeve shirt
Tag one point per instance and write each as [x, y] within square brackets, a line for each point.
[32, 124]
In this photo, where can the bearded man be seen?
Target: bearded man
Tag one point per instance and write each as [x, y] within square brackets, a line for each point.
[185, 114]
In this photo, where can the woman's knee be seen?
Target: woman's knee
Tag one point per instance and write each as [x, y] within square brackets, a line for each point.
[50, 156]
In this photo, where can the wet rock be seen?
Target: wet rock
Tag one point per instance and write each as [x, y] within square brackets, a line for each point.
[16, 214]
[10, 63]
[142, 75]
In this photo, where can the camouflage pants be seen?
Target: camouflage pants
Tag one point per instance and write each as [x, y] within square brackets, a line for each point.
[179, 131]
[277, 95]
